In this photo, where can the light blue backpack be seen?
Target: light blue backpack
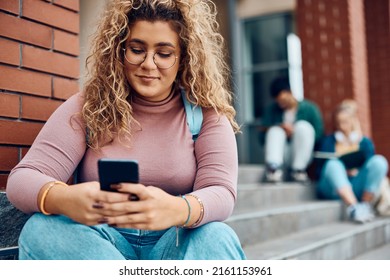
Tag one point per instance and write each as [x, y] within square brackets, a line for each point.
[194, 116]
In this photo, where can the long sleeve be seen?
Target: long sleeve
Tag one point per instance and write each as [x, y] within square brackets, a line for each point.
[54, 155]
[216, 179]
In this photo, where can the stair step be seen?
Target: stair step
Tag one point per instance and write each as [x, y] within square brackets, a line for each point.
[277, 221]
[380, 253]
[250, 173]
[256, 196]
[333, 241]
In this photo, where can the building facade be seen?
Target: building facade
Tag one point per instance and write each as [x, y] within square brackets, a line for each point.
[331, 50]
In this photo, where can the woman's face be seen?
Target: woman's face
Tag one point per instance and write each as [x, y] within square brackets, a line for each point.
[160, 43]
[345, 122]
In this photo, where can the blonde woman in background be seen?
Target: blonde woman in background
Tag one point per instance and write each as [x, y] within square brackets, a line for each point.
[356, 186]
[145, 53]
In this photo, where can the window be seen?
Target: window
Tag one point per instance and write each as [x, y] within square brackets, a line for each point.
[264, 56]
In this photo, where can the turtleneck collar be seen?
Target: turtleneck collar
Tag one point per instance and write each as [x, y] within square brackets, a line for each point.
[141, 105]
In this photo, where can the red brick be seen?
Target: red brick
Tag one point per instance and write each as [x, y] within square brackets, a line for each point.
[11, 6]
[3, 181]
[70, 4]
[9, 52]
[38, 108]
[9, 157]
[25, 81]
[18, 133]
[24, 151]
[25, 31]
[66, 42]
[51, 62]
[64, 88]
[9, 105]
[52, 15]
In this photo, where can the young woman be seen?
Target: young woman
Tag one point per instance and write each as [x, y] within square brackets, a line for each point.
[358, 184]
[144, 54]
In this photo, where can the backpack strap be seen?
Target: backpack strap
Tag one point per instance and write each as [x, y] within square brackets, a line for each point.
[194, 115]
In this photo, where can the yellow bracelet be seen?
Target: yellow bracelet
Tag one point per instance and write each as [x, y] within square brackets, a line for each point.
[44, 195]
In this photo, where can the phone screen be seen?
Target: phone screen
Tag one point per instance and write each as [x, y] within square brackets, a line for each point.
[115, 171]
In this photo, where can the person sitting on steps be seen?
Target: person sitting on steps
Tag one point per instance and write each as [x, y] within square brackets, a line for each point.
[292, 124]
[356, 186]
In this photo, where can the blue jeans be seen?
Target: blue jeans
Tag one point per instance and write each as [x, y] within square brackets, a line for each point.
[334, 176]
[58, 237]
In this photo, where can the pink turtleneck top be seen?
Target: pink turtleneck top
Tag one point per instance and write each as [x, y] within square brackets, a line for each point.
[162, 144]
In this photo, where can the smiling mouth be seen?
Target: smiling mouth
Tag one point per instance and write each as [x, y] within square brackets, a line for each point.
[147, 78]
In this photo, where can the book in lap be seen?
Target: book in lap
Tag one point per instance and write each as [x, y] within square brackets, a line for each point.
[351, 160]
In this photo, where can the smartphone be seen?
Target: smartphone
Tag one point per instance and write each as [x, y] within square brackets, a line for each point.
[115, 171]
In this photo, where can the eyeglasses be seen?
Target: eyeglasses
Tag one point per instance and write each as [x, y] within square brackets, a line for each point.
[162, 59]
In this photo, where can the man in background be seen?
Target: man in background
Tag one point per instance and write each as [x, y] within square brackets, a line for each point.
[292, 129]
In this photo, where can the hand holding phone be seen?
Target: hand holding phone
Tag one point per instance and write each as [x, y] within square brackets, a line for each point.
[115, 171]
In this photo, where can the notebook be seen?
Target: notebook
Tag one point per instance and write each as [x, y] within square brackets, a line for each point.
[351, 160]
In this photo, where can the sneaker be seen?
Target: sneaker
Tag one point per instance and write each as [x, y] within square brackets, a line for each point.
[360, 212]
[274, 176]
[299, 176]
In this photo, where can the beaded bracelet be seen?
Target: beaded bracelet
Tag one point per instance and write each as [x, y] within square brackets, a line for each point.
[201, 215]
[44, 195]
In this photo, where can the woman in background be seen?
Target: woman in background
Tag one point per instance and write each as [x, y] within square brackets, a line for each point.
[356, 186]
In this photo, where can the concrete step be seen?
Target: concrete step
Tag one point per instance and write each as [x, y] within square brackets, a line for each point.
[256, 196]
[332, 241]
[250, 173]
[279, 220]
[380, 253]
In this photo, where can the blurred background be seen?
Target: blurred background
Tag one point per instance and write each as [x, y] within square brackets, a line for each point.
[330, 49]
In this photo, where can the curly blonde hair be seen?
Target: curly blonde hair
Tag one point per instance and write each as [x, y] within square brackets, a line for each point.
[203, 71]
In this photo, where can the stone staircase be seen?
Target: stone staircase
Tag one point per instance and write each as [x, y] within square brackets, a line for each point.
[273, 221]
[286, 221]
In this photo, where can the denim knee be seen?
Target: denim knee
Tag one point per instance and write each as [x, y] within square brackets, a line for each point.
[378, 163]
[215, 240]
[33, 235]
[332, 166]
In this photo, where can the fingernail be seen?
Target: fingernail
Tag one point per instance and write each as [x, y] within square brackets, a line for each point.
[97, 205]
[116, 186]
[133, 197]
[103, 220]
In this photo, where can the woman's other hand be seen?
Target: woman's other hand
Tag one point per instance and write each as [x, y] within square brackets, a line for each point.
[84, 203]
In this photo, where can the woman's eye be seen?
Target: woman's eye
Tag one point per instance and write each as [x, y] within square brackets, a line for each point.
[164, 54]
[137, 51]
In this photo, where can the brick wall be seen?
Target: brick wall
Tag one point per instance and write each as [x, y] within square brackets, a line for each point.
[334, 55]
[378, 50]
[39, 69]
